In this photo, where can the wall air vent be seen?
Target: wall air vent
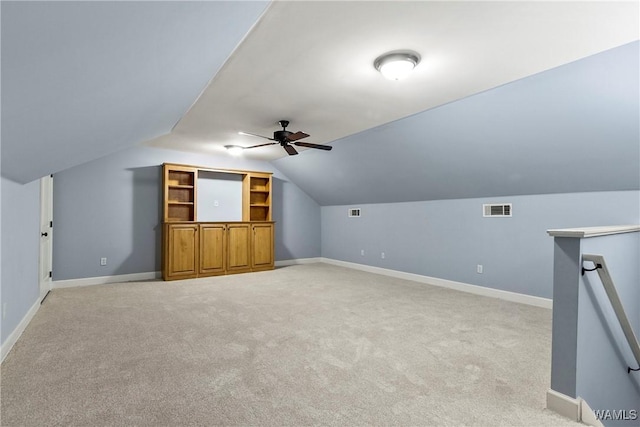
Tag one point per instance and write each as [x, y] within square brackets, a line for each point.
[354, 212]
[501, 209]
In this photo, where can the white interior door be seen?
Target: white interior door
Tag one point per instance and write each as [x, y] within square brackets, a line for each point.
[46, 234]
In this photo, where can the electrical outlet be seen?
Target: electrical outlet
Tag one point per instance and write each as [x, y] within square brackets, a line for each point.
[103, 261]
[4, 310]
[362, 252]
[479, 269]
[382, 255]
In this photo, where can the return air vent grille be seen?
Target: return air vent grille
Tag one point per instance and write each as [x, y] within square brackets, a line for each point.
[354, 212]
[491, 210]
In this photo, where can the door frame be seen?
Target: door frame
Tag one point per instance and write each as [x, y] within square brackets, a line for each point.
[45, 259]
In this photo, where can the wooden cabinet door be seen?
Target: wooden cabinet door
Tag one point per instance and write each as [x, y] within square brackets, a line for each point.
[212, 249]
[181, 251]
[238, 241]
[262, 246]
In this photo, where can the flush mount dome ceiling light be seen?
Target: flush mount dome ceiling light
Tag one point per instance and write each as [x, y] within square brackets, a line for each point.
[396, 65]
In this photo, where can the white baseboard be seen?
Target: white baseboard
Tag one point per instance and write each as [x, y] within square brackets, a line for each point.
[458, 286]
[575, 409]
[297, 261]
[13, 338]
[587, 416]
[564, 405]
[103, 280]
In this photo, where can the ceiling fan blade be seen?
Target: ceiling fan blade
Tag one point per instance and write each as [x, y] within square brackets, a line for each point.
[260, 145]
[310, 145]
[256, 135]
[296, 136]
[289, 149]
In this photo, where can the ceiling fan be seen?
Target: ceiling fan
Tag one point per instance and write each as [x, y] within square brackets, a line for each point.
[285, 138]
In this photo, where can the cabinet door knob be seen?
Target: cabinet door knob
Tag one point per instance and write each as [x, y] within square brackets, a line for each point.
[45, 234]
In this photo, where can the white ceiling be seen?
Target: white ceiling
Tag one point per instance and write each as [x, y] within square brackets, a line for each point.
[312, 63]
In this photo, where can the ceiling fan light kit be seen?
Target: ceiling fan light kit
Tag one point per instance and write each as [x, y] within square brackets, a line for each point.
[286, 139]
[234, 150]
[397, 65]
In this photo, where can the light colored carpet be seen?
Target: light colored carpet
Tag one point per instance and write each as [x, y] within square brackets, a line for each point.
[301, 345]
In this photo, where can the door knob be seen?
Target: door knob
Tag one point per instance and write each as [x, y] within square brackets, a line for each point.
[45, 234]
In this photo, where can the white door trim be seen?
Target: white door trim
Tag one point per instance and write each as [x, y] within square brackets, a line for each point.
[46, 235]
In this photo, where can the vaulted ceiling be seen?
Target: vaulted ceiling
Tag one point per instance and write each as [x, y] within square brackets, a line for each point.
[81, 80]
[510, 97]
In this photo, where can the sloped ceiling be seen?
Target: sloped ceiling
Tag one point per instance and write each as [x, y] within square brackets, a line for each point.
[311, 62]
[575, 128]
[84, 79]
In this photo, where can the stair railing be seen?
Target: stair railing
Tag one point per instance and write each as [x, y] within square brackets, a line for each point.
[614, 299]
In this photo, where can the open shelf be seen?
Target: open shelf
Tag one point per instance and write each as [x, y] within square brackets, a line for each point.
[180, 178]
[179, 193]
[180, 212]
[259, 183]
[259, 213]
[260, 197]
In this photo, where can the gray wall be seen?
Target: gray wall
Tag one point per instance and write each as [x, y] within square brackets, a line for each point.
[566, 271]
[20, 250]
[111, 207]
[448, 238]
[84, 79]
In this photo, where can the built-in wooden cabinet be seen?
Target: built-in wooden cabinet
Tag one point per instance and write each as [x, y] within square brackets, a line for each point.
[261, 246]
[239, 255]
[198, 249]
[181, 251]
[210, 249]
[213, 249]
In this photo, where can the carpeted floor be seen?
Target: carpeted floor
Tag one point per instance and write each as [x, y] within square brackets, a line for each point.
[301, 345]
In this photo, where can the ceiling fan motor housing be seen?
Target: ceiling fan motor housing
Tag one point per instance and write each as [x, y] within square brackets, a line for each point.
[281, 135]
